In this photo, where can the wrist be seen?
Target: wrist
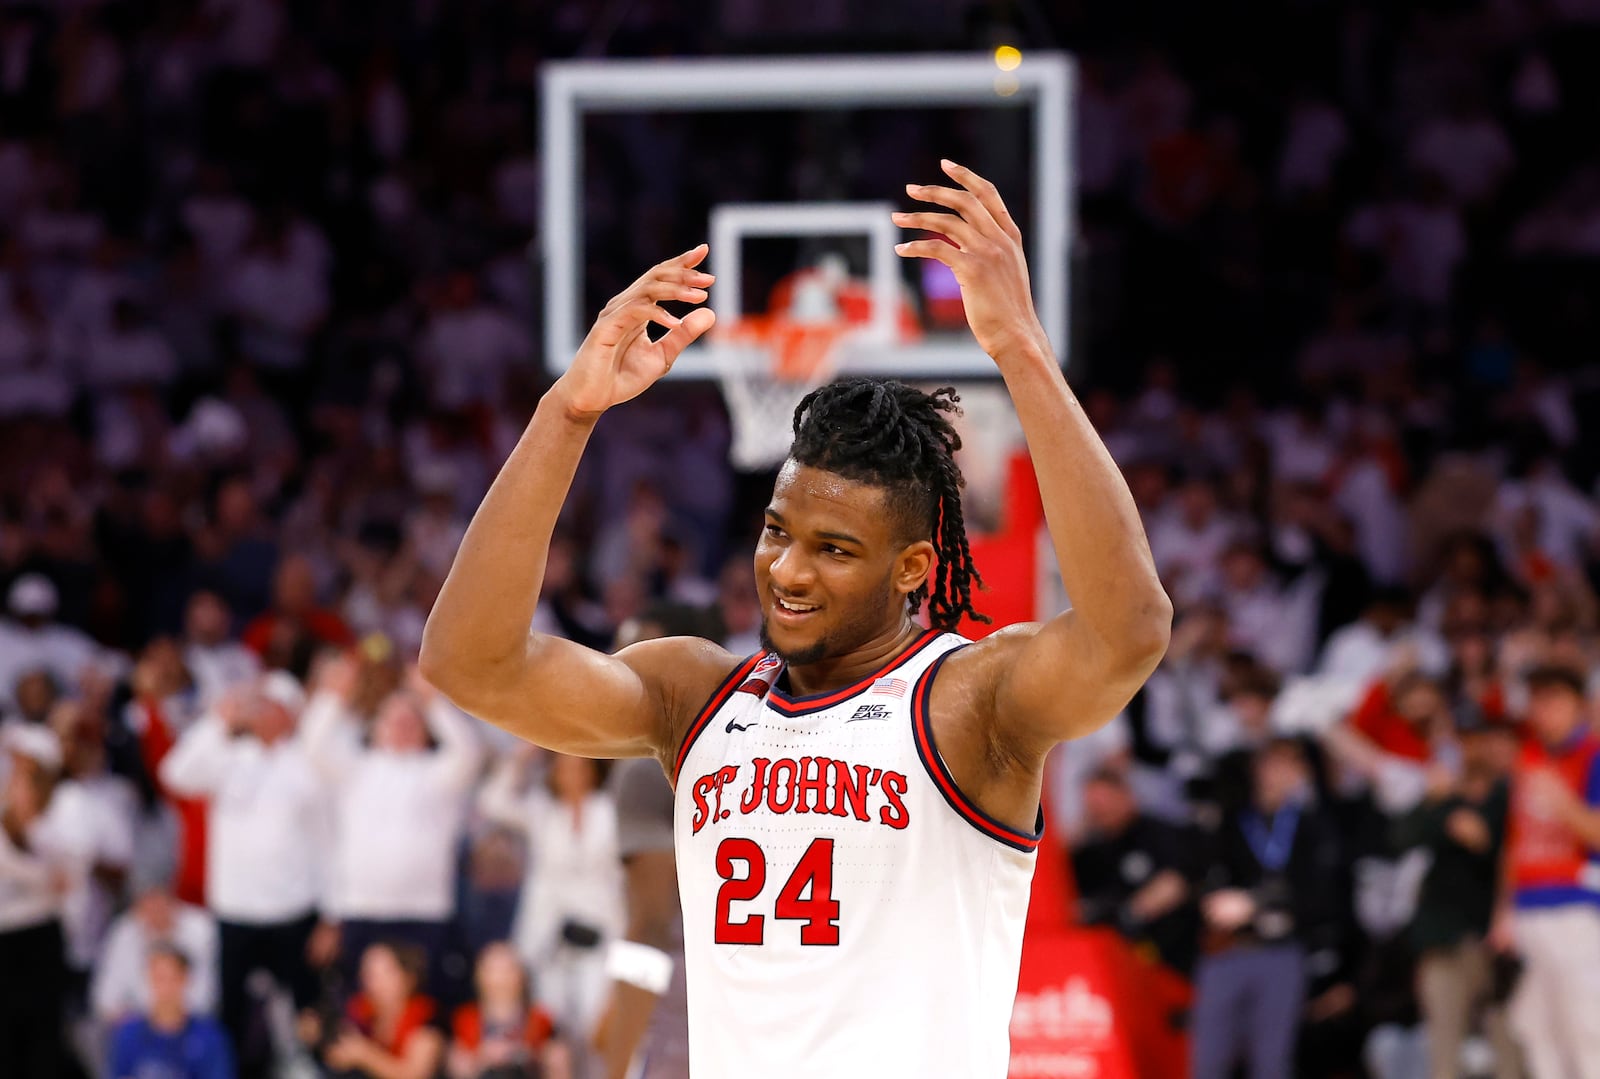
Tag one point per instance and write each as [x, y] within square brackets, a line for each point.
[1023, 350]
[560, 399]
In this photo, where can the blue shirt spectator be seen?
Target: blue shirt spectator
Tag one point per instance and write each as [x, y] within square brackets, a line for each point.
[167, 1042]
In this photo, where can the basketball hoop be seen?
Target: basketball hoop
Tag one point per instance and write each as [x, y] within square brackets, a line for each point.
[766, 365]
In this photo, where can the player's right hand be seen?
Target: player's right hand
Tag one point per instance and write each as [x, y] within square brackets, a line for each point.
[617, 360]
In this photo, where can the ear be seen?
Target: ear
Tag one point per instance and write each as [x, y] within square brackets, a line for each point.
[912, 567]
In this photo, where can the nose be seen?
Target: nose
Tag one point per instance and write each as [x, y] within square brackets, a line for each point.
[792, 572]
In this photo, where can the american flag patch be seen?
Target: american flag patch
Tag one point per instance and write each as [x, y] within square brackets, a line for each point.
[892, 687]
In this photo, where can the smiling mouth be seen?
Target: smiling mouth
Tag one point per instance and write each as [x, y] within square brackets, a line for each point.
[792, 608]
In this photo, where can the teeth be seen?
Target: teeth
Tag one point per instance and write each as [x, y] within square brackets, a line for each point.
[795, 607]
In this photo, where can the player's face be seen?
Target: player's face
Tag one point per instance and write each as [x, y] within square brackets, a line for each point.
[830, 572]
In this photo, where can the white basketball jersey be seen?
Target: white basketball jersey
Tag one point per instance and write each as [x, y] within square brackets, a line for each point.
[847, 913]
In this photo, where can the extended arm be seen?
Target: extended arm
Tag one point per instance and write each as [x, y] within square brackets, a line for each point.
[498, 798]
[198, 763]
[478, 648]
[1071, 674]
[641, 965]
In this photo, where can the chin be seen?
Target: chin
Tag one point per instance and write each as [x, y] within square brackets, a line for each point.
[795, 655]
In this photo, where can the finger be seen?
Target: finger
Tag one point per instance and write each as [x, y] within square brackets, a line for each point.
[671, 290]
[938, 250]
[986, 193]
[691, 329]
[692, 257]
[637, 313]
[949, 225]
[964, 203]
[637, 304]
[666, 272]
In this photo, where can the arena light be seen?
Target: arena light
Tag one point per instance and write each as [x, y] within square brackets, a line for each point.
[1008, 58]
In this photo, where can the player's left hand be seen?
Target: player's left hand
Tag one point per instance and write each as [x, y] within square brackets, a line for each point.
[982, 245]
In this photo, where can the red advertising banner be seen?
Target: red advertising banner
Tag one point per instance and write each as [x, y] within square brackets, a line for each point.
[1088, 1008]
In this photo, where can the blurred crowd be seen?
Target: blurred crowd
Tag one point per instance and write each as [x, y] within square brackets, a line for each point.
[267, 327]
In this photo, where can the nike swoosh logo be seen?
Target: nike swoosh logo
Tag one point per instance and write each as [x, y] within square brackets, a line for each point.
[734, 726]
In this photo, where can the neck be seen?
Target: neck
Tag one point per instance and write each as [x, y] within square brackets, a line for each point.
[168, 1015]
[838, 671]
[502, 1005]
[387, 1010]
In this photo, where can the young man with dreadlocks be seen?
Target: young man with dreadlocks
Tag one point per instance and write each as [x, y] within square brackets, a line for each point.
[857, 806]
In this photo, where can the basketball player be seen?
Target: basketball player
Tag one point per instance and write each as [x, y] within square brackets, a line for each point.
[857, 806]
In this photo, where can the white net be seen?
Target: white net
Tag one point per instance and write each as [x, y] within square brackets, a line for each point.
[762, 393]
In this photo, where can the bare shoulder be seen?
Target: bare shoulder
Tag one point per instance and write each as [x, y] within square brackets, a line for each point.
[973, 673]
[987, 764]
[962, 699]
[683, 673]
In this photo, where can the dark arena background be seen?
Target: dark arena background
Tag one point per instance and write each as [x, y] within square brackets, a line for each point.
[281, 282]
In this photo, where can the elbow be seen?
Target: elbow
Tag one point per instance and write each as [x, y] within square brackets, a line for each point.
[435, 663]
[1149, 633]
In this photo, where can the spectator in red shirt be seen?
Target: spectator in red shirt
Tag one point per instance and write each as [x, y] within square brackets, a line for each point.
[502, 1034]
[388, 1029]
[294, 626]
[1392, 736]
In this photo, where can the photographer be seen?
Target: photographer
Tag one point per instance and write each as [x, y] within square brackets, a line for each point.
[1462, 824]
[1272, 884]
[1133, 872]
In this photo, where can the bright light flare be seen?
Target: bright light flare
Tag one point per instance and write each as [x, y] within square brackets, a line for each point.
[1008, 58]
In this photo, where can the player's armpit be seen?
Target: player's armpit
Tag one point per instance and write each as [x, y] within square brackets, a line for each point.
[572, 699]
[1036, 684]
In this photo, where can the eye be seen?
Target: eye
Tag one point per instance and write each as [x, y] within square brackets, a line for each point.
[828, 548]
[774, 531]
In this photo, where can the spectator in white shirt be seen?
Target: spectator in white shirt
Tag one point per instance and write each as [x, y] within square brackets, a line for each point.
[33, 695]
[32, 639]
[265, 842]
[468, 346]
[572, 898]
[1467, 151]
[129, 352]
[280, 294]
[1187, 540]
[1378, 642]
[44, 852]
[214, 660]
[1274, 622]
[112, 804]
[120, 990]
[399, 811]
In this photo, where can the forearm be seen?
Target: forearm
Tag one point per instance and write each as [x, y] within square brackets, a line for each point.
[498, 799]
[1099, 540]
[198, 761]
[482, 616]
[460, 754]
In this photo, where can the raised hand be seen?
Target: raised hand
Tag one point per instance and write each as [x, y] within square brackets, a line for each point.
[983, 247]
[617, 360]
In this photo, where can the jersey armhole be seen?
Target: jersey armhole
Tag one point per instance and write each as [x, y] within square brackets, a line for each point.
[933, 764]
[718, 698]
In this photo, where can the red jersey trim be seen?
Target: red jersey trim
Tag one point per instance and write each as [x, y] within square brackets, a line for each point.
[717, 699]
[922, 734]
[780, 701]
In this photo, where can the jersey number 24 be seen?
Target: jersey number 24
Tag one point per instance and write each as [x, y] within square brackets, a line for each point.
[814, 874]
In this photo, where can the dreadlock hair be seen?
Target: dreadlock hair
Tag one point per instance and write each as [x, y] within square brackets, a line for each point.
[890, 435]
